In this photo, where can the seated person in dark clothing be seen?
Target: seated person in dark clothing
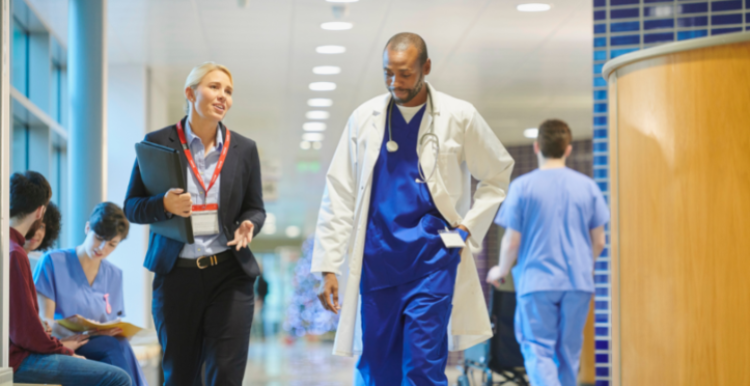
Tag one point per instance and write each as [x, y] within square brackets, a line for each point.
[35, 356]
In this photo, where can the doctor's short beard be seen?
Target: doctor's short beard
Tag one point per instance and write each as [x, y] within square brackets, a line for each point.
[412, 92]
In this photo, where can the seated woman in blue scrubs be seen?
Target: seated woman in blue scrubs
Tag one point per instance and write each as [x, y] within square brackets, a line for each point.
[80, 281]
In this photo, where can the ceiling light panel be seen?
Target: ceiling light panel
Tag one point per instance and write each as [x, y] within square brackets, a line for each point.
[330, 49]
[314, 126]
[326, 70]
[531, 133]
[317, 114]
[337, 26]
[319, 102]
[533, 7]
[322, 86]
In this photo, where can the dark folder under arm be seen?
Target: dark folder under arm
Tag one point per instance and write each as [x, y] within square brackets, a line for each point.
[160, 171]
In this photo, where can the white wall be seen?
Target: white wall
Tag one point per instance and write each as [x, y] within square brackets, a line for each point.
[126, 125]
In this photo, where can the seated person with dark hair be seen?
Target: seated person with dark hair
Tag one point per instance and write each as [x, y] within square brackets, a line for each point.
[79, 281]
[46, 234]
[34, 355]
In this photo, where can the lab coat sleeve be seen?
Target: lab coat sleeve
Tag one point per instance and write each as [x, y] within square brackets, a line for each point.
[489, 162]
[336, 216]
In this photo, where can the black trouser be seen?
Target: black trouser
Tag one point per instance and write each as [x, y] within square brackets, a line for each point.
[204, 316]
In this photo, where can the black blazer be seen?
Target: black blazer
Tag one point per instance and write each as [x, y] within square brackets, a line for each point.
[240, 199]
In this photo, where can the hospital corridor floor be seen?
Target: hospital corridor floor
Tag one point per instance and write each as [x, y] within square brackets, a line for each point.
[275, 363]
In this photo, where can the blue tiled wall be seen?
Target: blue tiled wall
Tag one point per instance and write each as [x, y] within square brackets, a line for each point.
[620, 27]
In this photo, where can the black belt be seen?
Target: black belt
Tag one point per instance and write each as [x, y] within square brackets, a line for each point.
[204, 262]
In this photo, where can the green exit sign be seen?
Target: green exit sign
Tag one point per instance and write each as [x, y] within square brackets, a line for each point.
[308, 166]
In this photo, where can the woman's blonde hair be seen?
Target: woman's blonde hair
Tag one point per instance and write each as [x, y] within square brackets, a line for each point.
[198, 73]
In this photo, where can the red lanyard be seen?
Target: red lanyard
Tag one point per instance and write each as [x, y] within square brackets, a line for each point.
[217, 171]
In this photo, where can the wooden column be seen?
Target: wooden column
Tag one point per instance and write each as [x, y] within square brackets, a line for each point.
[681, 217]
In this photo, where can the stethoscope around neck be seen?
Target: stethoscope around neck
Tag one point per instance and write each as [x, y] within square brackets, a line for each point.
[429, 136]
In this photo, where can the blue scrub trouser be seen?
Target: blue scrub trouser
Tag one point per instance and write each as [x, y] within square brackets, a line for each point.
[115, 351]
[405, 332]
[549, 327]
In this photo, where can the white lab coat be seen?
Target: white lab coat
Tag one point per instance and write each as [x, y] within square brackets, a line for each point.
[467, 147]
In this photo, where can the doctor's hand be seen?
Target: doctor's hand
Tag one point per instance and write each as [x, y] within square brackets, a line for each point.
[495, 276]
[178, 203]
[243, 235]
[330, 288]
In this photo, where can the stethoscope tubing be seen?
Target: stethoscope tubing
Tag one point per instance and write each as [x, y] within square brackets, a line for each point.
[420, 143]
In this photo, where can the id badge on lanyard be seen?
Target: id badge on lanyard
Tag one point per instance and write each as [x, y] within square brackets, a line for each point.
[205, 218]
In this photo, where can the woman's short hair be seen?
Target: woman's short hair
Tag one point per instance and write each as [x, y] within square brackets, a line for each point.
[199, 72]
[108, 221]
[52, 220]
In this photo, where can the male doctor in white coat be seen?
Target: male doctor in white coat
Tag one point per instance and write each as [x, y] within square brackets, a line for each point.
[397, 203]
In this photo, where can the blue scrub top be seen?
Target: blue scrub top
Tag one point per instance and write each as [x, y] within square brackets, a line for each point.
[60, 277]
[402, 241]
[554, 210]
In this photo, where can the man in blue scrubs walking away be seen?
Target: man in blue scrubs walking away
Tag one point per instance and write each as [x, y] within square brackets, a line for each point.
[554, 225]
[398, 205]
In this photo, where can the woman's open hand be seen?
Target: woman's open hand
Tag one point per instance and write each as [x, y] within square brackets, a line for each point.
[243, 235]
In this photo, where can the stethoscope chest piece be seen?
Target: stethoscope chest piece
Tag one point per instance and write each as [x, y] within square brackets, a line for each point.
[392, 146]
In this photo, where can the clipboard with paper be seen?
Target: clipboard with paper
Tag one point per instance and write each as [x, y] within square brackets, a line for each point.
[79, 324]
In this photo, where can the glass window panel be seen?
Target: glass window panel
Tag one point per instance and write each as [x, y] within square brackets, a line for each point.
[20, 151]
[20, 58]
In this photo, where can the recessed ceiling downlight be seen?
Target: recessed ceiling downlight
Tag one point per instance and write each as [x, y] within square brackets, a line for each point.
[337, 26]
[322, 86]
[312, 137]
[317, 114]
[319, 102]
[326, 70]
[314, 126]
[533, 7]
[330, 49]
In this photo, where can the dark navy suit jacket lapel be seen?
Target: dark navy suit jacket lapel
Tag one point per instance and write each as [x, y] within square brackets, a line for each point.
[174, 142]
[227, 179]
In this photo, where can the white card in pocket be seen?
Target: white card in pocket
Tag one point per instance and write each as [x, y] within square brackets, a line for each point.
[452, 239]
[205, 222]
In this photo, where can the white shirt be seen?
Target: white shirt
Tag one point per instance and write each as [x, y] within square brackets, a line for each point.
[409, 112]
